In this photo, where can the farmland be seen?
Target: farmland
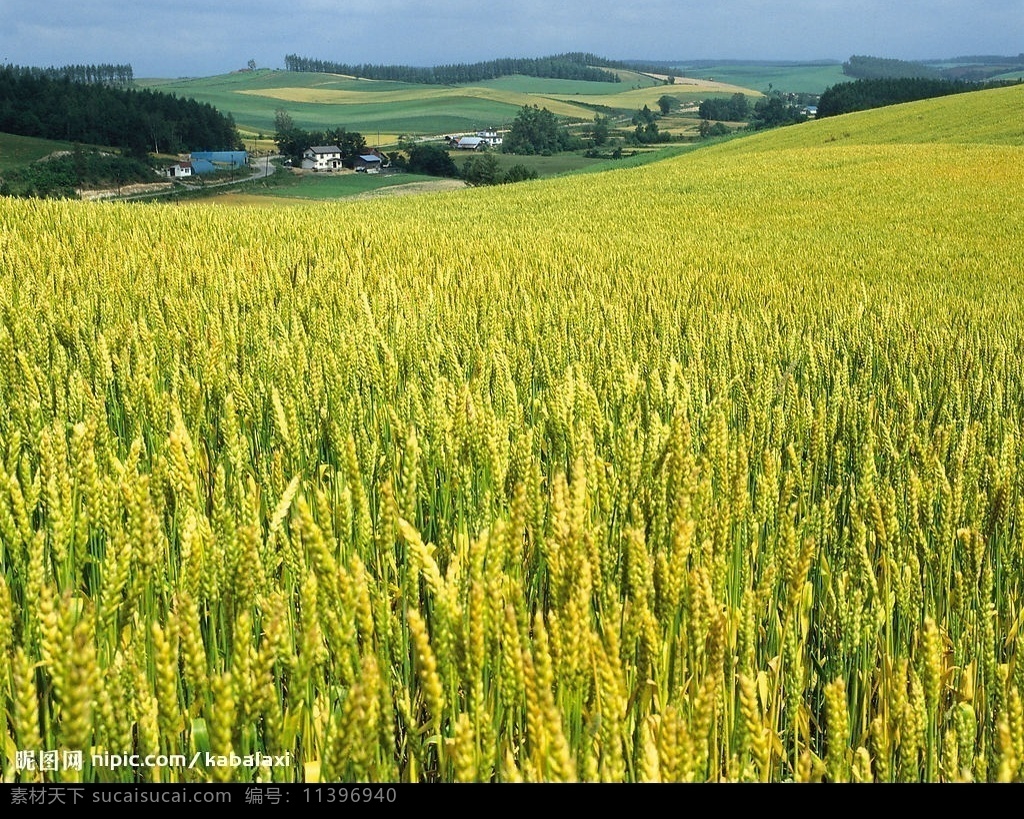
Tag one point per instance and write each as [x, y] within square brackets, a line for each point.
[709, 469]
[329, 100]
[797, 78]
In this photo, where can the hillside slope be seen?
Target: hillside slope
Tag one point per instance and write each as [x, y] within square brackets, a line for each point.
[705, 470]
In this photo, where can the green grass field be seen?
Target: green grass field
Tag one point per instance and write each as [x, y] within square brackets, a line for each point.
[544, 86]
[544, 165]
[324, 186]
[798, 78]
[372, 106]
[369, 106]
[18, 151]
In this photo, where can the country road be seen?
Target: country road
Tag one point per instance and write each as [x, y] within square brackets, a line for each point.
[262, 167]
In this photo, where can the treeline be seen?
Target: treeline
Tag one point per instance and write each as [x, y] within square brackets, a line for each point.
[136, 121]
[570, 66]
[972, 69]
[103, 74]
[877, 68]
[734, 109]
[861, 95]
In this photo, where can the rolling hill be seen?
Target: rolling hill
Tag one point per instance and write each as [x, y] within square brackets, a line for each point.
[371, 106]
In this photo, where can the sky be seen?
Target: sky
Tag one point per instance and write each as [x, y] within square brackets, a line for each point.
[189, 38]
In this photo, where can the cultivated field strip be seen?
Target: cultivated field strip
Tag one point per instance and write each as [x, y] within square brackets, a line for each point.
[705, 470]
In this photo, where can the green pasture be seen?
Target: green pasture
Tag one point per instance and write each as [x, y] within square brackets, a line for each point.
[568, 162]
[328, 100]
[326, 186]
[797, 78]
[18, 151]
[545, 87]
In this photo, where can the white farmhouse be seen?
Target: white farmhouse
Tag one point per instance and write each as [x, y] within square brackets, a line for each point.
[490, 136]
[322, 158]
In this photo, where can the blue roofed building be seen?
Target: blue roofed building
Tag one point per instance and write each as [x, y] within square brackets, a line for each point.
[367, 163]
[223, 160]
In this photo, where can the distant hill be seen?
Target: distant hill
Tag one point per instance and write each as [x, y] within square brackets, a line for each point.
[392, 107]
[570, 66]
[969, 69]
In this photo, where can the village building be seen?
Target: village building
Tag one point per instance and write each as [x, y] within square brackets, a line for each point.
[490, 136]
[367, 163]
[322, 158]
[179, 170]
[468, 143]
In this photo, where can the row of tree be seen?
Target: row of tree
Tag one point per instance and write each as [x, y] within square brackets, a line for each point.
[102, 74]
[35, 104]
[570, 66]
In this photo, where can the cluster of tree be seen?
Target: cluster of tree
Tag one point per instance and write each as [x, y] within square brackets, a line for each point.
[873, 68]
[776, 110]
[434, 160]
[62, 176]
[707, 129]
[773, 111]
[292, 141]
[537, 131]
[734, 109]
[667, 104]
[860, 95]
[103, 74]
[646, 131]
[570, 66]
[484, 170]
[421, 157]
[601, 130]
[34, 104]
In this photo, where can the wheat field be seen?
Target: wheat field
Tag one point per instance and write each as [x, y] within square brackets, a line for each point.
[708, 470]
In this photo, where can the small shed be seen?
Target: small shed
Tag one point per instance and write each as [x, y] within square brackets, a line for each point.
[180, 170]
[368, 163]
[468, 143]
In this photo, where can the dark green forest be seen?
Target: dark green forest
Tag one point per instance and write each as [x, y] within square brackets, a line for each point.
[861, 95]
[40, 103]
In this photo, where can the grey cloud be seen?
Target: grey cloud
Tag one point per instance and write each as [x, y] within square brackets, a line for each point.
[199, 38]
